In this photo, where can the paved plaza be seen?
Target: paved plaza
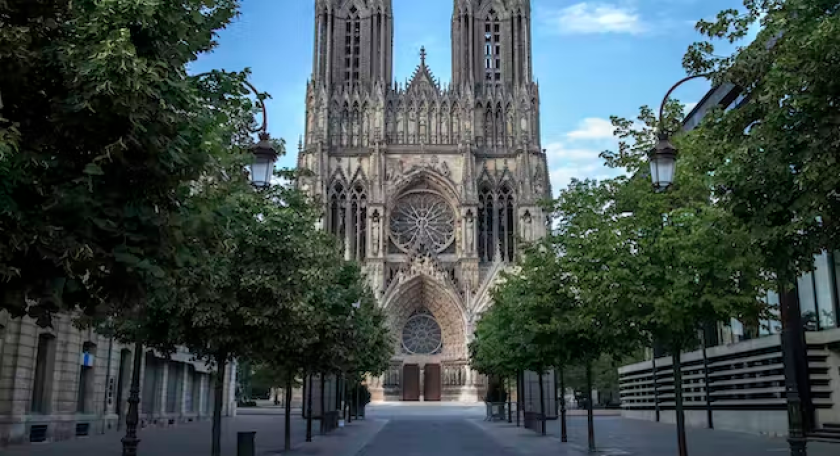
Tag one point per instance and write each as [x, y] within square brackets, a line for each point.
[427, 430]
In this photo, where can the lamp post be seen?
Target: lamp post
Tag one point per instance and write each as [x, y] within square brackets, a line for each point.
[663, 165]
[261, 171]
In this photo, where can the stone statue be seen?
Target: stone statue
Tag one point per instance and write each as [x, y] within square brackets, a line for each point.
[470, 230]
[528, 227]
[374, 227]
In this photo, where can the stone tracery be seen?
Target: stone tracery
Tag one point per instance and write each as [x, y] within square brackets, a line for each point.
[423, 219]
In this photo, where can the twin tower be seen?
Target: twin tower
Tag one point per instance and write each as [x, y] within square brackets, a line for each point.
[432, 189]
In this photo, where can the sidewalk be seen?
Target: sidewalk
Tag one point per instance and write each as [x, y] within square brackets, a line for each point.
[620, 436]
[194, 439]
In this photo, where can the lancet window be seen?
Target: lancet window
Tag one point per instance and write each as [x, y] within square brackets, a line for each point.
[496, 227]
[492, 48]
[348, 219]
[352, 46]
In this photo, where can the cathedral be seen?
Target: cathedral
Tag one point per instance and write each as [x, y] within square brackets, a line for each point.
[432, 188]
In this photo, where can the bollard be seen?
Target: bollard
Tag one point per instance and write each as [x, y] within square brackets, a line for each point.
[245, 444]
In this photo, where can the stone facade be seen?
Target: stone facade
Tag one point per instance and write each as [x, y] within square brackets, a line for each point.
[61, 383]
[432, 188]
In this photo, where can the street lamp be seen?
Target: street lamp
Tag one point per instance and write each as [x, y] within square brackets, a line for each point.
[663, 157]
[663, 162]
[265, 156]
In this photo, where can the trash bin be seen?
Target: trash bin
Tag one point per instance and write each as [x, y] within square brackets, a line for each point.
[245, 444]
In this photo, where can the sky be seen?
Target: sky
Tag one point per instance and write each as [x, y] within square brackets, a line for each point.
[592, 60]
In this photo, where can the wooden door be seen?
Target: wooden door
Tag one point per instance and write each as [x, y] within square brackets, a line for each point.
[431, 383]
[411, 382]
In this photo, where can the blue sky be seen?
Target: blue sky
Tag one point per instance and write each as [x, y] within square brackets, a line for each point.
[592, 60]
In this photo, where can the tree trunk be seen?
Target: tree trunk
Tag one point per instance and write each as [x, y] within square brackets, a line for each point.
[309, 408]
[510, 412]
[287, 425]
[542, 405]
[590, 416]
[358, 392]
[655, 383]
[518, 397]
[303, 397]
[796, 386]
[132, 418]
[218, 398]
[709, 415]
[678, 399]
[323, 406]
[563, 431]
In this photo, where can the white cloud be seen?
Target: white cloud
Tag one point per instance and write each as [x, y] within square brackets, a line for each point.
[593, 17]
[560, 151]
[577, 154]
[690, 106]
[593, 128]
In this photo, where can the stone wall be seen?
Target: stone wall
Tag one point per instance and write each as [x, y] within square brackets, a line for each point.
[72, 403]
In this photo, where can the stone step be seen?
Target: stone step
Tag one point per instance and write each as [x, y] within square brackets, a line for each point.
[832, 426]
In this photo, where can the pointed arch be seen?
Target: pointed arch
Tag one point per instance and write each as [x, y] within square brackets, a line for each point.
[506, 208]
[357, 222]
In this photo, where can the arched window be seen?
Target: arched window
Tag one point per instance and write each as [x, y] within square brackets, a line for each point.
[496, 223]
[358, 223]
[485, 223]
[506, 220]
[492, 48]
[338, 206]
[352, 47]
[348, 219]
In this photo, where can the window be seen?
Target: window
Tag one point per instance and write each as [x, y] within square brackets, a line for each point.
[151, 384]
[818, 294]
[825, 291]
[348, 219]
[44, 362]
[492, 48]
[85, 387]
[122, 378]
[352, 53]
[772, 325]
[496, 224]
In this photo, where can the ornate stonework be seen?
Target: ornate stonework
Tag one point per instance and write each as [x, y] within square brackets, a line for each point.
[431, 186]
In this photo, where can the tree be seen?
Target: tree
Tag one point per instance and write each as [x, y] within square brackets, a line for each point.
[101, 129]
[771, 160]
[670, 261]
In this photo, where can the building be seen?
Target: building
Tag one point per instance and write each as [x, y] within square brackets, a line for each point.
[431, 187]
[738, 382]
[62, 383]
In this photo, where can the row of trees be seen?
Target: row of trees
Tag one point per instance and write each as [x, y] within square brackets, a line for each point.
[755, 198]
[123, 199]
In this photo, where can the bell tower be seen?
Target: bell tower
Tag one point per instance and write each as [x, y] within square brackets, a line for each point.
[491, 42]
[353, 42]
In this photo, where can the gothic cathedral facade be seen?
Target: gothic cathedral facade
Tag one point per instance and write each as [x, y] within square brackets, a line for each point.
[432, 188]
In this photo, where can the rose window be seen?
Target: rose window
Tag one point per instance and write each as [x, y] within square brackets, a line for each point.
[423, 220]
[422, 335]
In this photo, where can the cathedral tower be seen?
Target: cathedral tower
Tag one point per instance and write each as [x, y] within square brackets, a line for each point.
[432, 189]
[491, 42]
[353, 42]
